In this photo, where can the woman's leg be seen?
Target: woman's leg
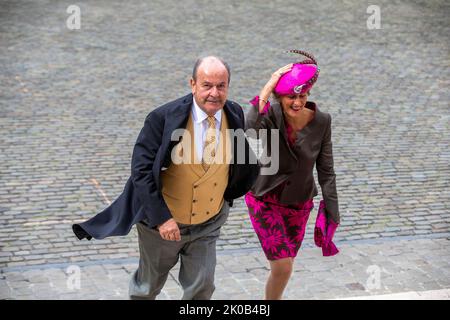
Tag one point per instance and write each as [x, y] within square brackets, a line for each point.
[280, 272]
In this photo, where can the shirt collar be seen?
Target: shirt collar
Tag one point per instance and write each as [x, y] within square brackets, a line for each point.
[199, 115]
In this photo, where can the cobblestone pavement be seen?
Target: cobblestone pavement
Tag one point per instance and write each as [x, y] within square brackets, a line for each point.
[365, 269]
[72, 103]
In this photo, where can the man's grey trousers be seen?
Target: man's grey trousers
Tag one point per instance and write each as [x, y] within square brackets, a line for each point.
[197, 254]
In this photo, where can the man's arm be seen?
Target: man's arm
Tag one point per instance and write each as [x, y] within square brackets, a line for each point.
[142, 175]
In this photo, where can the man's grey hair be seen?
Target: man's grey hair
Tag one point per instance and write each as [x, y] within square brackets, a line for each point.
[199, 62]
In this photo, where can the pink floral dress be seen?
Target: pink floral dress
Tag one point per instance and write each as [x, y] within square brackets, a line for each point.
[280, 228]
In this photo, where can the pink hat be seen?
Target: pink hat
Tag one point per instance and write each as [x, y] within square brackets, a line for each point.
[301, 78]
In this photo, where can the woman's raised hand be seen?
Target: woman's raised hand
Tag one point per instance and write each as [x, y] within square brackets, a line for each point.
[277, 75]
[270, 85]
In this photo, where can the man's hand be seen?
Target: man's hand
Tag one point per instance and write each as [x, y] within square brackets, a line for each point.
[271, 84]
[169, 230]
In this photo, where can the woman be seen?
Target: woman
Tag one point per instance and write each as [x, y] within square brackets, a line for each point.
[279, 204]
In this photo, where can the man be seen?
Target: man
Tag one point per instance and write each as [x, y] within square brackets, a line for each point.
[179, 208]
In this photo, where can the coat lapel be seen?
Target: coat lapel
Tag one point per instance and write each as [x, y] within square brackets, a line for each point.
[309, 128]
[176, 118]
[232, 117]
[279, 120]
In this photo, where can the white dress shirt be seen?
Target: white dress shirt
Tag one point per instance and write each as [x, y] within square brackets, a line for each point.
[199, 118]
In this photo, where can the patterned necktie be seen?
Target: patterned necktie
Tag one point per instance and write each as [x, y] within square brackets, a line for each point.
[209, 147]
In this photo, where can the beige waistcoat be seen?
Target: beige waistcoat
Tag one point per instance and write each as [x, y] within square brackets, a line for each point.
[193, 195]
